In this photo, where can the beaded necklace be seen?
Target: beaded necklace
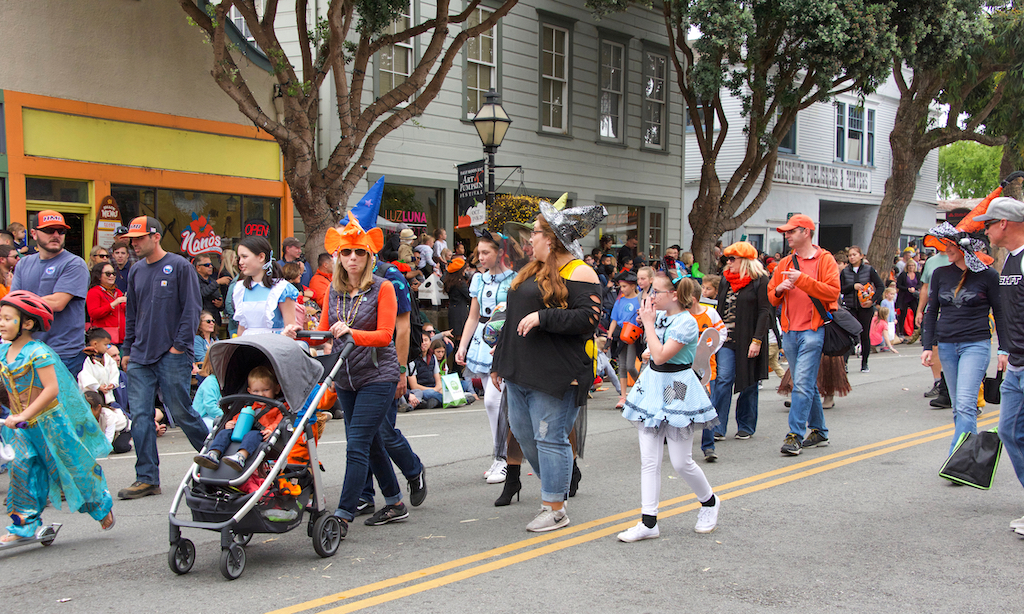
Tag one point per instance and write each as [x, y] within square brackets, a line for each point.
[345, 312]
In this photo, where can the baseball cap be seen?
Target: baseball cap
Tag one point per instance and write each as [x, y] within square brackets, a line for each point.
[48, 218]
[142, 226]
[290, 242]
[1003, 208]
[797, 221]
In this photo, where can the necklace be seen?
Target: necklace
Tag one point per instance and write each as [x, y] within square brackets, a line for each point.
[347, 313]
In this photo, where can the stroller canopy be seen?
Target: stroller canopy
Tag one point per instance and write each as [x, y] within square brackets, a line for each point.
[296, 370]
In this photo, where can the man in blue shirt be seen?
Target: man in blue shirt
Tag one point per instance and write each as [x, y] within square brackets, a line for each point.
[160, 326]
[62, 280]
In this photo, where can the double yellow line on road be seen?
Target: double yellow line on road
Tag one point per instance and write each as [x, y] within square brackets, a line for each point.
[487, 561]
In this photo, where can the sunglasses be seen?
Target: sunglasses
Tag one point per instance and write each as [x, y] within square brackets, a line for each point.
[209, 264]
[208, 321]
[359, 252]
[990, 223]
[51, 231]
[730, 258]
[103, 255]
[109, 274]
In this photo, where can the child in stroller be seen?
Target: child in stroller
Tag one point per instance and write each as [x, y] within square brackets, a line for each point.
[262, 383]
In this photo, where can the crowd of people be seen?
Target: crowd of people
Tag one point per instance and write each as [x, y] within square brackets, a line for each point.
[534, 326]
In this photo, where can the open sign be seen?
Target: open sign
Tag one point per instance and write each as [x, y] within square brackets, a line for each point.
[256, 228]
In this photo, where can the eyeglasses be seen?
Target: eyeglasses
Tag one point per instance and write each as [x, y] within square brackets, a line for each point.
[209, 264]
[208, 321]
[109, 274]
[536, 232]
[730, 258]
[990, 223]
[51, 231]
[359, 252]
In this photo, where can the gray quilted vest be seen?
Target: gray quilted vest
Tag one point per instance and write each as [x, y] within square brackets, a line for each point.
[365, 365]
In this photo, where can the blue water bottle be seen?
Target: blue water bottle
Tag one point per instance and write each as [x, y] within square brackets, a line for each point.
[244, 423]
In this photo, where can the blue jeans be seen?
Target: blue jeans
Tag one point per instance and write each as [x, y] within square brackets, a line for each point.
[250, 441]
[365, 410]
[746, 404]
[426, 395]
[964, 365]
[1011, 419]
[541, 424]
[803, 348]
[173, 374]
[398, 449]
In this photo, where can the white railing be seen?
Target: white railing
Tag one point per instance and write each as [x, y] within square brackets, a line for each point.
[822, 176]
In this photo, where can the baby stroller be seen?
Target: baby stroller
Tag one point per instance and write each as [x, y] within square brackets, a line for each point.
[219, 499]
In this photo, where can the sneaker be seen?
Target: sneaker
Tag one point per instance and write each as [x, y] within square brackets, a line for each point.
[710, 456]
[743, 435]
[719, 437]
[865, 370]
[404, 408]
[1019, 532]
[344, 523]
[814, 440]
[707, 517]
[210, 460]
[791, 445]
[639, 532]
[365, 507]
[494, 465]
[138, 490]
[498, 475]
[934, 392]
[386, 514]
[433, 403]
[1017, 524]
[236, 461]
[418, 488]
[548, 520]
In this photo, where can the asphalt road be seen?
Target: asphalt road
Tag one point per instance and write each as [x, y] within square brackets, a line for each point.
[865, 525]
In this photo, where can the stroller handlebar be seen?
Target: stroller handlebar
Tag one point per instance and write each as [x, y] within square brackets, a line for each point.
[314, 334]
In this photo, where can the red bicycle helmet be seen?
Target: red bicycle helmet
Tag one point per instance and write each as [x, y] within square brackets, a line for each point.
[32, 306]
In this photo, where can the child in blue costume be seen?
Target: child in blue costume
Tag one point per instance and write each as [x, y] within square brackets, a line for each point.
[668, 404]
[57, 449]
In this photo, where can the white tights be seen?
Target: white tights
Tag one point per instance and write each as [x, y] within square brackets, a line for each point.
[680, 453]
[492, 403]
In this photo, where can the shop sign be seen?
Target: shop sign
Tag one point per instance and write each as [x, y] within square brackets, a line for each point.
[199, 238]
[256, 228]
[414, 218]
[109, 219]
[471, 194]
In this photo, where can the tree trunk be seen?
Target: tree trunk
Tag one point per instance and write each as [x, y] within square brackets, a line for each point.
[317, 217]
[705, 231]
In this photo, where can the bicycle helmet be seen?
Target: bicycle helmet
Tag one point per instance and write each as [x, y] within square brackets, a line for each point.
[31, 306]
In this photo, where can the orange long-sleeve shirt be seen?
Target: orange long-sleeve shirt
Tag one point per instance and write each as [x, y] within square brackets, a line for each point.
[819, 279]
[387, 312]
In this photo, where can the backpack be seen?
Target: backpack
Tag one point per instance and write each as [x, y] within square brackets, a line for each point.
[383, 269]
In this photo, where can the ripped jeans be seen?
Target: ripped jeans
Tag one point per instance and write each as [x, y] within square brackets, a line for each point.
[541, 424]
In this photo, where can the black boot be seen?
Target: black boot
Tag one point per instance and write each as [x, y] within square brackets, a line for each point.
[574, 484]
[942, 401]
[512, 486]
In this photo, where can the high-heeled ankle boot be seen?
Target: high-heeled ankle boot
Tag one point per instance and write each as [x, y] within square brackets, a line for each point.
[577, 475]
[512, 487]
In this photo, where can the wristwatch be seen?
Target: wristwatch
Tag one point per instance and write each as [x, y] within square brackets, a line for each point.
[402, 369]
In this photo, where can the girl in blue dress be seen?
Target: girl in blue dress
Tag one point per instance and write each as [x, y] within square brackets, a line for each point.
[264, 302]
[59, 440]
[668, 404]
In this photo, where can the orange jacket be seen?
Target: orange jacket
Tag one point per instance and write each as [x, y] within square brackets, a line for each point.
[825, 287]
[320, 284]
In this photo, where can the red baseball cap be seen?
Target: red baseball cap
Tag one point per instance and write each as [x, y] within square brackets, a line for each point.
[797, 221]
[142, 226]
[48, 218]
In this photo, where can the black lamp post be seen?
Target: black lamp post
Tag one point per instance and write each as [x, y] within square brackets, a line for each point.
[491, 123]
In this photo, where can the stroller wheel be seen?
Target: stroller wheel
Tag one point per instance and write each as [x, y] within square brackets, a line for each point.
[232, 562]
[181, 556]
[243, 539]
[327, 535]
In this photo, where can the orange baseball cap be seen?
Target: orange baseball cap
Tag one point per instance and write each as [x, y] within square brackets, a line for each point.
[142, 226]
[48, 218]
[797, 221]
[741, 249]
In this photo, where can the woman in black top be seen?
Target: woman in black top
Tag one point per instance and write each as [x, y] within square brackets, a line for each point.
[907, 283]
[852, 282]
[457, 289]
[960, 297]
[553, 308]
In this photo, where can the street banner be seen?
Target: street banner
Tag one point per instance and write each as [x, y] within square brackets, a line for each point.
[472, 195]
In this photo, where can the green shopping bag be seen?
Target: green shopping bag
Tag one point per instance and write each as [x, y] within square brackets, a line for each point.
[452, 394]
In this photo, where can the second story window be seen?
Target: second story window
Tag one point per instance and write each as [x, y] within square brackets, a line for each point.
[855, 136]
[554, 78]
[396, 60]
[787, 144]
[611, 83]
[481, 63]
[655, 108]
[870, 155]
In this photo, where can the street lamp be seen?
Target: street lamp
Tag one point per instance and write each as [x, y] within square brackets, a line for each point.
[491, 123]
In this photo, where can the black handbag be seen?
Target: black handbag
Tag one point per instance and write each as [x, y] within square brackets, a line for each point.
[841, 327]
[974, 460]
[992, 394]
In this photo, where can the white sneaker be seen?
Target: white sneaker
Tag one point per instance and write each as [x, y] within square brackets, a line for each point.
[548, 520]
[1019, 532]
[1017, 524]
[707, 517]
[640, 531]
[498, 472]
[494, 466]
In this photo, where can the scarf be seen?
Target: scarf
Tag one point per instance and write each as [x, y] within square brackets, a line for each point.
[736, 282]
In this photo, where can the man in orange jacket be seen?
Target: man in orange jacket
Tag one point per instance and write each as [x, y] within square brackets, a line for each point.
[320, 283]
[815, 274]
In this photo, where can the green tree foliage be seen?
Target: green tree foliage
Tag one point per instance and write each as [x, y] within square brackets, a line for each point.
[777, 57]
[339, 48]
[968, 170]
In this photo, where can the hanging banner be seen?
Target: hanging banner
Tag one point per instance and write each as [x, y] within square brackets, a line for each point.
[199, 238]
[108, 218]
[472, 194]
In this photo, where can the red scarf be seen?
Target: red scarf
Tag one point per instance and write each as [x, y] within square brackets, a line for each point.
[736, 282]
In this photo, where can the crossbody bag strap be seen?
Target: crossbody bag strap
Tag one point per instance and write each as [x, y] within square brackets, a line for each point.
[817, 304]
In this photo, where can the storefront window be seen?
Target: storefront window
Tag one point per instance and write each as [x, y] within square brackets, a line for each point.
[417, 208]
[56, 190]
[621, 222]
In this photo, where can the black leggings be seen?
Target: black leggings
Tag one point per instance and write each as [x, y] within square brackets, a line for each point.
[864, 316]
